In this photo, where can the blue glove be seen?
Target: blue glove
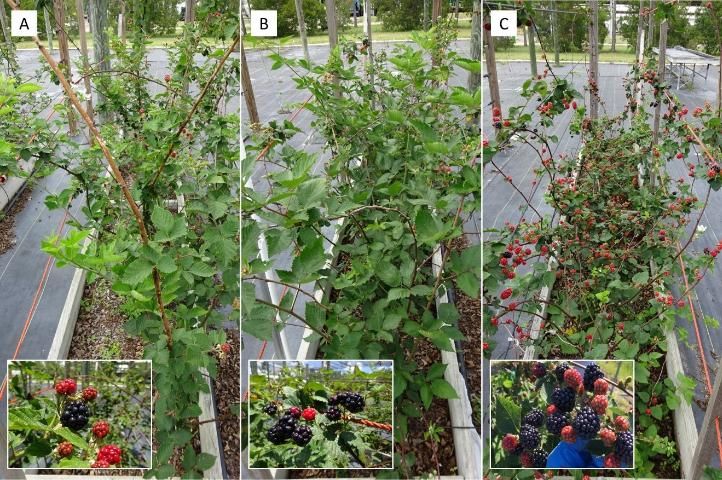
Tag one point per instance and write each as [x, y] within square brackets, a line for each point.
[573, 455]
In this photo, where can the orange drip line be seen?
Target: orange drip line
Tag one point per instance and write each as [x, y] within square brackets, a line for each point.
[369, 423]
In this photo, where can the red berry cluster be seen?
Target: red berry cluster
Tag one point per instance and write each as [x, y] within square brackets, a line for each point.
[66, 387]
[89, 394]
[101, 429]
[109, 455]
[65, 449]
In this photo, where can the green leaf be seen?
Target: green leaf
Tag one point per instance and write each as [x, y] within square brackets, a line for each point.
[73, 463]
[166, 264]
[641, 277]
[389, 274]
[73, 438]
[443, 389]
[205, 461]
[162, 219]
[28, 88]
[311, 192]
[39, 448]
[137, 271]
[201, 269]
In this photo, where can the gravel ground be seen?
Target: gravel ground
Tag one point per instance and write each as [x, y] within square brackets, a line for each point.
[7, 220]
[227, 389]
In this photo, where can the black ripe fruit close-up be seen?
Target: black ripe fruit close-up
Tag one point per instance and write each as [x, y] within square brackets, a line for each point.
[302, 435]
[529, 437]
[556, 421]
[333, 413]
[535, 418]
[591, 374]
[271, 409]
[587, 423]
[75, 415]
[564, 399]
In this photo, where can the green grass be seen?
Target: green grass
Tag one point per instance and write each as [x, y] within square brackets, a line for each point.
[520, 52]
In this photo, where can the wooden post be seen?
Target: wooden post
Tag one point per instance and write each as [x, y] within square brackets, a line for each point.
[491, 68]
[613, 13]
[98, 14]
[86, 64]
[710, 426]
[4, 28]
[662, 57]
[248, 88]
[650, 24]
[456, 11]
[435, 11]
[594, 59]
[370, 50]
[426, 14]
[532, 51]
[59, 11]
[640, 30]
[331, 22]
[302, 28]
[555, 33]
[474, 80]
[121, 22]
[190, 11]
[48, 29]
[355, 14]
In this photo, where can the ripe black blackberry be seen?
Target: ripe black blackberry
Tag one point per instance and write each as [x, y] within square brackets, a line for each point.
[624, 447]
[302, 435]
[337, 399]
[288, 423]
[559, 371]
[563, 398]
[591, 374]
[354, 402]
[333, 413]
[529, 437]
[271, 409]
[535, 418]
[538, 458]
[587, 423]
[75, 415]
[557, 421]
[277, 434]
[539, 369]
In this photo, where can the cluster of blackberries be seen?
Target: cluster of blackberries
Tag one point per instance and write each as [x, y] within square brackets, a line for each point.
[75, 415]
[286, 428]
[352, 401]
[333, 413]
[592, 373]
[624, 447]
[564, 398]
[556, 421]
[271, 409]
[586, 423]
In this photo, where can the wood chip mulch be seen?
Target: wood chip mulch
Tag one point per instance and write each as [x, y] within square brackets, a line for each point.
[227, 389]
[7, 219]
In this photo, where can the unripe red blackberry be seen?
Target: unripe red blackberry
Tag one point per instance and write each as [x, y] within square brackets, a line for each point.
[525, 459]
[89, 394]
[573, 378]
[535, 418]
[621, 423]
[101, 429]
[510, 442]
[529, 437]
[611, 461]
[600, 387]
[295, 412]
[65, 449]
[309, 414]
[66, 387]
[568, 434]
[599, 404]
[608, 436]
[100, 464]
[110, 453]
[302, 435]
[539, 369]
[586, 423]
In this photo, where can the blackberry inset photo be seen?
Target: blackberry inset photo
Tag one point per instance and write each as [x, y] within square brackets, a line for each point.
[562, 414]
[79, 414]
[329, 414]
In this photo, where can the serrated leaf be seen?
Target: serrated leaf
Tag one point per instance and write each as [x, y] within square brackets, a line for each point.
[137, 271]
[443, 389]
[162, 219]
[201, 269]
[73, 438]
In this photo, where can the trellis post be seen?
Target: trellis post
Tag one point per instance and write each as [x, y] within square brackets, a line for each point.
[435, 11]
[367, 8]
[302, 28]
[331, 22]
[80, 11]
[662, 58]
[613, 13]
[532, 50]
[555, 33]
[491, 68]
[710, 428]
[474, 80]
[48, 29]
[59, 11]
[98, 15]
[247, 87]
[594, 60]
[640, 32]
